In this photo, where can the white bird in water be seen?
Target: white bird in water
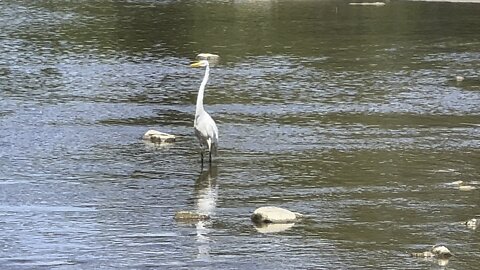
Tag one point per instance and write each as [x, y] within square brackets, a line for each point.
[205, 127]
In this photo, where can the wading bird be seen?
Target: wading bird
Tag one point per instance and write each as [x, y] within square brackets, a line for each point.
[205, 128]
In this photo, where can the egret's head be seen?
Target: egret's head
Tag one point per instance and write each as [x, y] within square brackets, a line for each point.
[201, 63]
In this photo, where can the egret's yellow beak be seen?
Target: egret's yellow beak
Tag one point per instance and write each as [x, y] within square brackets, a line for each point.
[196, 64]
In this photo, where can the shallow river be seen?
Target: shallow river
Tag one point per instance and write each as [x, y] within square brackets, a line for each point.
[350, 115]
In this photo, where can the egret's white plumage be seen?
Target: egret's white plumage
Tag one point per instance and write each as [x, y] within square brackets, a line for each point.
[205, 127]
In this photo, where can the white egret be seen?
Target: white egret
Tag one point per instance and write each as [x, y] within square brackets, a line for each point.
[205, 127]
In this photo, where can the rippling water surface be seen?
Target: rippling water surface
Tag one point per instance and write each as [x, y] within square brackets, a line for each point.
[350, 115]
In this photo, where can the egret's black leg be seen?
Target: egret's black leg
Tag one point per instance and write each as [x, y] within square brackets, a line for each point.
[210, 157]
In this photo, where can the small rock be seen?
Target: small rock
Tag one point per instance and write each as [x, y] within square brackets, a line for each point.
[466, 188]
[437, 251]
[459, 78]
[212, 59]
[158, 137]
[441, 251]
[425, 254]
[190, 216]
[378, 4]
[444, 171]
[473, 223]
[272, 214]
[455, 183]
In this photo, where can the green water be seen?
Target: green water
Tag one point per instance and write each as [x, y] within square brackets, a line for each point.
[350, 115]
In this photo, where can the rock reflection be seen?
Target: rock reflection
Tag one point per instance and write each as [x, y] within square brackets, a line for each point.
[273, 227]
[206, 194]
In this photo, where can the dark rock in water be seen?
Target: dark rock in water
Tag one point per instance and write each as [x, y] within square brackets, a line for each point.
[425, 254]
[190, 216]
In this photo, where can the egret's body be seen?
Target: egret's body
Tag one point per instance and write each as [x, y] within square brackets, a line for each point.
[204, 125]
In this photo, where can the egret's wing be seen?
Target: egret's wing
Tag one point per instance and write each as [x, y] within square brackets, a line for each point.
[206, 127]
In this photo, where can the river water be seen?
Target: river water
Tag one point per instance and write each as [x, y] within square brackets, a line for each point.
[350, 115]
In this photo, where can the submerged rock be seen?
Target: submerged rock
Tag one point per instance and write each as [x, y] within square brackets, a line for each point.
[437, 251]
[272, 214]
[212, 59]
[463, 186]
[473, 223]
[378, 4]
[158, 137]
[190, 216]
[455, 183]
[466, 188]
[425, 254]
[441, 251]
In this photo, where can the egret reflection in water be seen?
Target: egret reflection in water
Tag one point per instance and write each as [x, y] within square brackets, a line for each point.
[206, 194]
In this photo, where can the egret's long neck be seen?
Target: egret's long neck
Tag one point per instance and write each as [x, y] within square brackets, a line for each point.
[201, 91]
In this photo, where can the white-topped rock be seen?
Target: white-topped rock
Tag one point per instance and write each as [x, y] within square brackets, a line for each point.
[437, 251]
[455, 183]
[378, 4]
[473, 223]
[466, 188]
[213, 59]
[158, 137]
[441, 251]
[272, 214]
